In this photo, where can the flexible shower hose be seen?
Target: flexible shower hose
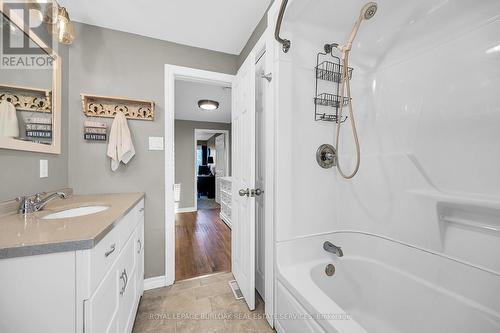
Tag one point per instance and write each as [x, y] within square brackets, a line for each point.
[345, 85]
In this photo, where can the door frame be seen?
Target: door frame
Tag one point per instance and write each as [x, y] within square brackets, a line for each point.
[172, 73]
[228, 156]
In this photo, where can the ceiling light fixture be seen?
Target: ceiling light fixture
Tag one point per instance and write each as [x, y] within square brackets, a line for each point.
[207, 104]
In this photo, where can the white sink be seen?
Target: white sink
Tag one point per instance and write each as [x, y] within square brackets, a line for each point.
[74, 212]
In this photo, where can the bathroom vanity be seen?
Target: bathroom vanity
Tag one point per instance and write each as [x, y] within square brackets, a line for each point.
[64, 274]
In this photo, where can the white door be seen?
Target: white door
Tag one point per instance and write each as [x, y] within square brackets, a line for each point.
[220, 163]
[260, 259]
[243, 203]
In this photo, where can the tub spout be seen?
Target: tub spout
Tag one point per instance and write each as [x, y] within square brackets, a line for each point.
[329, 247]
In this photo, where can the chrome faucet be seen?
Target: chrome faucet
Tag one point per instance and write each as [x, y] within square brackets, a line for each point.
[329, 247]
[35, 203]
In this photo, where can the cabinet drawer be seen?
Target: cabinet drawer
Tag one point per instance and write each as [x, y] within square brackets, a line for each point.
[130, 221]
[105, 253]
[102, 257]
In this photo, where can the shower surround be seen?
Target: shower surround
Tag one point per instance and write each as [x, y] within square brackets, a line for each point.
[425, 97]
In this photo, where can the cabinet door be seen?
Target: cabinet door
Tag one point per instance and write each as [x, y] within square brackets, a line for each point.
[101, 310]
[140, 258]
[126, 269]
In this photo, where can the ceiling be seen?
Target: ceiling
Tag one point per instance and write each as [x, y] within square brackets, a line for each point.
[219, 25]
[187, 95]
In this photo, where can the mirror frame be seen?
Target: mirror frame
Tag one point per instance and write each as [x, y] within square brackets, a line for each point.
[55, 146]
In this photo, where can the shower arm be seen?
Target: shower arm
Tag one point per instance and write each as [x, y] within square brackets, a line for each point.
[286, 43]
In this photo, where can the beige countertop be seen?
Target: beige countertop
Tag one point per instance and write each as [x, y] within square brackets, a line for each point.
[30, 234]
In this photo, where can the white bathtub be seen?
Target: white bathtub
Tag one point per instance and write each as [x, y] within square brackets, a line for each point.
[383, 286]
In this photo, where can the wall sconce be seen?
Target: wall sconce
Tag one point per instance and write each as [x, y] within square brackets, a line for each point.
[58, 21]
[64, 27]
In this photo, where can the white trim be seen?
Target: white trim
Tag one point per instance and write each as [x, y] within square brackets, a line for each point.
[226, 141]
[224, 219]
[186, 210]
[154, 282]
[172, 73]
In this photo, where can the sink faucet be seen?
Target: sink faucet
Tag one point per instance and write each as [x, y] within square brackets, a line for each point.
[35, 203]
[329, 247]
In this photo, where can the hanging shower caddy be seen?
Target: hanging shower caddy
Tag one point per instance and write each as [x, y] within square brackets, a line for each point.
[327, 104]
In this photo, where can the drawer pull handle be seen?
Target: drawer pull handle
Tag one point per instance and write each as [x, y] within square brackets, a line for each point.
[108, 253]
[141, 210]
[124, 277]
[140, 245]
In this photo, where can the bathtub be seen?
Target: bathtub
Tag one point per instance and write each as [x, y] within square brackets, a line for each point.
[381, 285]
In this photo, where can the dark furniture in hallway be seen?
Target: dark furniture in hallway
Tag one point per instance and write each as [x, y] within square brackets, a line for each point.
[206, 186]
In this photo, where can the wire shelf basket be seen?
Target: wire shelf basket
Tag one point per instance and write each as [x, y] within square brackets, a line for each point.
[326, 99]
[327, 104]
[330, 71]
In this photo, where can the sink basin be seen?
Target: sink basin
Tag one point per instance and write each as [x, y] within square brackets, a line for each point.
[74, 212]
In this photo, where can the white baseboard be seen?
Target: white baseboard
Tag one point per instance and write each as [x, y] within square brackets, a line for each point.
[186, 210]
[154, 282]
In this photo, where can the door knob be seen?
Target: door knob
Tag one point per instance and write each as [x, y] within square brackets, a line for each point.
[257, 192]
[246, 192]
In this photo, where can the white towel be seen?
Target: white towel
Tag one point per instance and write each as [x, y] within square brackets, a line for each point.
[120, 146]
[8, 120]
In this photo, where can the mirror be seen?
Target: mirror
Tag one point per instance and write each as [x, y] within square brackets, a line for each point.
[29, 83]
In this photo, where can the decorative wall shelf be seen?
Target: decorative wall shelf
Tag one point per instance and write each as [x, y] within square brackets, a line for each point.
[107, 107]
[27, 98]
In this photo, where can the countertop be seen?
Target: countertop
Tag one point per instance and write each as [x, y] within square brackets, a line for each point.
[31, 235]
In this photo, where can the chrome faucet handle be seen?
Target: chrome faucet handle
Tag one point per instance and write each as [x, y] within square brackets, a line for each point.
[24, 204]
[38, 196]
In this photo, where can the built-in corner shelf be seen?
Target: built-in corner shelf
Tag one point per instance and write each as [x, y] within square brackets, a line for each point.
[108, 107]
[225, 199]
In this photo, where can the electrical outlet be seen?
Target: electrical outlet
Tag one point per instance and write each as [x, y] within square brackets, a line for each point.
[44, 168]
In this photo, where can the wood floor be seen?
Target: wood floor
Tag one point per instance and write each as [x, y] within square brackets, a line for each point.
[202, 244]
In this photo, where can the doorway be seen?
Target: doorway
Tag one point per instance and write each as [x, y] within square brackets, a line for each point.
[201, 161]
[244, 243]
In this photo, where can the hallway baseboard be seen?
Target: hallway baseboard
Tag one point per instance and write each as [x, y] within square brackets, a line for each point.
[186, 210]
[155, 282]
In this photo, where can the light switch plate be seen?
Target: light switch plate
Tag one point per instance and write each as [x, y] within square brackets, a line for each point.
[44, 168]
[155, 143]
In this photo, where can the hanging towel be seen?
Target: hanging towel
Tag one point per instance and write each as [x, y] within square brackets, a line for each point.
[8, 120]
[120, 146]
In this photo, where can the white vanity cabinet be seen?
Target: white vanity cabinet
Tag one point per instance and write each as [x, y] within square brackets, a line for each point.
[95, 290]
[112, 299]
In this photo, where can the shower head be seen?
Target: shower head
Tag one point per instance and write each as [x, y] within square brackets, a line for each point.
[368, 11]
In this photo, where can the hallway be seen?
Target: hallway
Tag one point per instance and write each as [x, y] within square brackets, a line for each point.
[203, 244]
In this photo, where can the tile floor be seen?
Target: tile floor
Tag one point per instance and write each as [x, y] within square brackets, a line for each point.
[201, 305]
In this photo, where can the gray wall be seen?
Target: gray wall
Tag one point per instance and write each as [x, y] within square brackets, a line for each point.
[184, 156]
[20, 171]
[254, 38]
[108, 62]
